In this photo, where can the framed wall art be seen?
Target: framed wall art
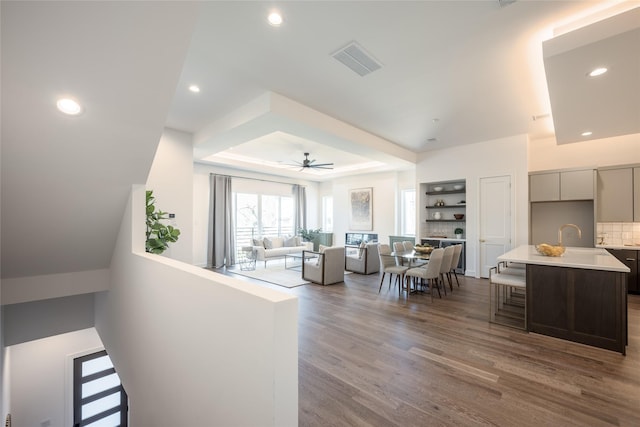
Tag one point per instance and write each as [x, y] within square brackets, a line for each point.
[361, 209]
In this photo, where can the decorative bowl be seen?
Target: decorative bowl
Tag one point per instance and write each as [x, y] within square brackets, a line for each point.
[458, 187]
[423, 249]
[458, 216]
[550, 250]
[437, 188]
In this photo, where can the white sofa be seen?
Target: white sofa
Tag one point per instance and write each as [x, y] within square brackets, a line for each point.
[274, 247]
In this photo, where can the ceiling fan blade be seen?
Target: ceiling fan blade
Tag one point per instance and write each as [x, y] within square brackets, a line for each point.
[322, 164]
[322, 167]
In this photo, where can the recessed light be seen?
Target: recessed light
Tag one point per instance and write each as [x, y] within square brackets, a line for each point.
[194, 88]
[68, 106]
[597, 72]
[587, 133]
[275, 19]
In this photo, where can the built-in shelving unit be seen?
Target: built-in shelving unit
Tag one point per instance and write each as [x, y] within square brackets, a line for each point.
[440, 206]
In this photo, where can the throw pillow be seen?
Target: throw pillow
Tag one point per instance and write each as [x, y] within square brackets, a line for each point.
[321, 249]
[298, 240]
[277, 242]
[361, 251]
[258, 242]
[268, 244]
[290, 241]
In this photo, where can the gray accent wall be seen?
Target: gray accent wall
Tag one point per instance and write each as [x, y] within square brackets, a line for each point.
[547, 217]
[40, 319]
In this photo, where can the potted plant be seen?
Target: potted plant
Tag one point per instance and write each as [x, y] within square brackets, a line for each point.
[158, 234]
[458, 232]
[308, 234]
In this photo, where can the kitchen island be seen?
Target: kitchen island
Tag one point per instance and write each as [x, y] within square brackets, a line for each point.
[580, 296]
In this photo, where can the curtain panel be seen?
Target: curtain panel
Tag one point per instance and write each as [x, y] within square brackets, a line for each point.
[300, 207]
[221, 225]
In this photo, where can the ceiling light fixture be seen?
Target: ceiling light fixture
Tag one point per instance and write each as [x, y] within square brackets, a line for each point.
[597, 72]
[194, 89]
[275, 19]
[68, 106]
[587, 133]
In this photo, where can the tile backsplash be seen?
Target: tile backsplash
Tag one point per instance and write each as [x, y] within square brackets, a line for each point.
[446, 229]
[618, 233]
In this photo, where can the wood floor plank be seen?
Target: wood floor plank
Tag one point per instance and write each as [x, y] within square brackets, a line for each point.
[369, 359]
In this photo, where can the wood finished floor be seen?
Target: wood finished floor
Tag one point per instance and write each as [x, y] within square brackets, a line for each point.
[369, 359]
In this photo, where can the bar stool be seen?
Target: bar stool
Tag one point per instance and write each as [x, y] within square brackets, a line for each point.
[508, 297]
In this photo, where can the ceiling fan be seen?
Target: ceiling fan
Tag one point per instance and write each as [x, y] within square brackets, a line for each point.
[306, 163]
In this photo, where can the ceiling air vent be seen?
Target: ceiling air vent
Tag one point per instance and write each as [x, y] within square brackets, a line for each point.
[355, 57]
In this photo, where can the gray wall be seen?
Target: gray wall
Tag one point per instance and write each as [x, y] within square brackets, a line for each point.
[40, 319]
[547, 217]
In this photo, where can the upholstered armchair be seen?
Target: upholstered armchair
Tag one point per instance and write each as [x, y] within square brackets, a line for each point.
[364, 260]
[327, 269]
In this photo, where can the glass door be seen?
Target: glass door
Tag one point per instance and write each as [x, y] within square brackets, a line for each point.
[98, 397]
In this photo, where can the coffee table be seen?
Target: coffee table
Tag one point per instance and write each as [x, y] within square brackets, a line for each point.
[297, 256]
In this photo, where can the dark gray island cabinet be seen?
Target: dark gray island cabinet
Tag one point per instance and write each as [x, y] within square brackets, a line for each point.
[580, 297]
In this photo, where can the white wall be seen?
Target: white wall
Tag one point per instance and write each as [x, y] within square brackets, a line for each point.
[201, 201]
[506, 156]
[40, 383]
[193, 347]
[171, 179]
[5, 372]
[385, 190]
[545, 154]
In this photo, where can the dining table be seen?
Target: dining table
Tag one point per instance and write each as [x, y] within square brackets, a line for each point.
[413, 257]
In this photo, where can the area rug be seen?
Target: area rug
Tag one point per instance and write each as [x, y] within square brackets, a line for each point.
[275, 273]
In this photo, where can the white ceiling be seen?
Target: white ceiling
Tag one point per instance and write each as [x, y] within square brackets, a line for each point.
[458, 72]
[271, 93]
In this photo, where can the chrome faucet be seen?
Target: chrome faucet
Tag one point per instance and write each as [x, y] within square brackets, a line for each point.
[568, 225]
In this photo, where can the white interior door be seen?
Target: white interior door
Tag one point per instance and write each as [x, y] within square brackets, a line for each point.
[495, 220]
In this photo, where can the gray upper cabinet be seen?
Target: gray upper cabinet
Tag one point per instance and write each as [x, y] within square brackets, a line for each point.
[615, 195]
[576, 185]
[636, 195]
[563, 185]
[544, 187]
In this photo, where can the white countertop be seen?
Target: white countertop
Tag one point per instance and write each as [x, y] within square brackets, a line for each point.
[630, 247]
[586, 258]
[444, 238]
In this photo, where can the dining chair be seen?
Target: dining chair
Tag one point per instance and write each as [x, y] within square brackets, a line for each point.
[388, 265]
[429, 273]
[455, 259]
[398, 247]
[446, 267]
[409, 246]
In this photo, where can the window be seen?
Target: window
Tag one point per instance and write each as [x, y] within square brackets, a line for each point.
[262, 215]
[408, 213]
[98, 397]
[327, 214]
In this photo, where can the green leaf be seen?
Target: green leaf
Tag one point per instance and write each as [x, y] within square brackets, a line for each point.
[158, 235]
